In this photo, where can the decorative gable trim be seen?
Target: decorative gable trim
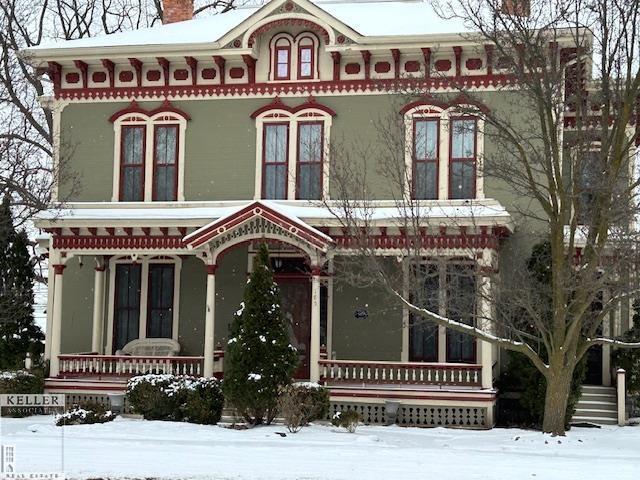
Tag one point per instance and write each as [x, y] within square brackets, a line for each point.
[277, 104]
[134, 107]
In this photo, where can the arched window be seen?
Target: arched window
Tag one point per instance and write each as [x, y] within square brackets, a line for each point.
[292, 151]
[306, 58]
[282, 59]
[149, 154]
[443, 152]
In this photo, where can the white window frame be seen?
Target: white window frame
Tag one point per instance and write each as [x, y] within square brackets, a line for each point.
[144, 261]
[429, 111]
[150, 122]
[279, 115]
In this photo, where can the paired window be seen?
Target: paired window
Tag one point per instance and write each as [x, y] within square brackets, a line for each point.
[148, 161]
[458, 156]
[134, 281]
[449, 290]
[291, 154]
[294, 56]
[587, 184]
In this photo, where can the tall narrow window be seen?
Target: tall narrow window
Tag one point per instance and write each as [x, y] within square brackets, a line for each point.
[424, 334]
[274, 175]
[425, 151]
[462, 173]
[461, 307]
[165, 163]
[127, 304]
[160, 301]
[589, 168]
[309, 175]
[282, 62]
[132, 163]
[305, 59]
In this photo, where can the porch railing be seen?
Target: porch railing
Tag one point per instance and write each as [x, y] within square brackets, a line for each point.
[79, 365]
[409, 373]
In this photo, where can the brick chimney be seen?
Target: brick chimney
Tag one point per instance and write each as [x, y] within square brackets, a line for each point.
[177, 11]
[520, 8]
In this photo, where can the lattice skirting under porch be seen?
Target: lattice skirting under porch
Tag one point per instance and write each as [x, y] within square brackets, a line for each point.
[418, 415]
[82, 398]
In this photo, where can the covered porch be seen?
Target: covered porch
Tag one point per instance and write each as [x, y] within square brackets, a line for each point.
[305, 246]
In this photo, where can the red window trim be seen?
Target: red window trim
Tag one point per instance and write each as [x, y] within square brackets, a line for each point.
[124, 166]
[472, 160]
[173, 290]
[312, 61]
[435, 160]
[321, 162]
[265, 163]
[277, 48]
[155, 164]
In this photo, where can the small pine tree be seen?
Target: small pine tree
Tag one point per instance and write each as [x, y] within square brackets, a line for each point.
[259, 360]
[19, 334]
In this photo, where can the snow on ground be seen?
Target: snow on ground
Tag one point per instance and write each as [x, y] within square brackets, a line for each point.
[137, 448]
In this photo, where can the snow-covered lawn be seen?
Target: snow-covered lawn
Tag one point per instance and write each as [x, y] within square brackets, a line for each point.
[136, 448]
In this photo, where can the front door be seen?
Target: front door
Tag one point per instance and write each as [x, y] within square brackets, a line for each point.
[126, 320]
[295, 296]
[594, 366]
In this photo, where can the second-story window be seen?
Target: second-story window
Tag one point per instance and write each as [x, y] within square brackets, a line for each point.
[275, 153]
[305, 58]
[149, 162]
[462, 166]
[165, 165]
[282, 66]
[425, 169]
[132, 163]
[310, 146]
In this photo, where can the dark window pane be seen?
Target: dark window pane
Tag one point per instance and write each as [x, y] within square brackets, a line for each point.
[425, 180]
[127, 307]
[275, 182]
[165, 167]
[463, 134]
[461, 305]
[160, 314]
[310, 181]
[424, 334]
[589, 168]
[462, 179]
[132, 164]
[426, 139]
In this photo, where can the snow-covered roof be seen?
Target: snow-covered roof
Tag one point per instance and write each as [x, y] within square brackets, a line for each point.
[200, 213]
[368, 18]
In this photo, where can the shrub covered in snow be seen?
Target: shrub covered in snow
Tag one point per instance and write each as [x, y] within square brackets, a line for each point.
[20, 381]
[301, 403]
[348, 419]
[176, 397]
[85, 414]
[259, 360]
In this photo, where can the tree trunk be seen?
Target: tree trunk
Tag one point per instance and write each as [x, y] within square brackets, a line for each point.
[556, 399]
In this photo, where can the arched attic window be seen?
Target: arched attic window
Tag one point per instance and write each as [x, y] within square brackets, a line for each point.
[306, 56]
[281, 53]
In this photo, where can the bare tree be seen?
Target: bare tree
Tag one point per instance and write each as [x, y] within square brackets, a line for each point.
[574, 67]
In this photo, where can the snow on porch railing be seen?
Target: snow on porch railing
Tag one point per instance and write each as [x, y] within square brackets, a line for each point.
[346, 371]
[127, 366]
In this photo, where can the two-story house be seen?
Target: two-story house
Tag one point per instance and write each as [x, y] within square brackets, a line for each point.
[196, 139]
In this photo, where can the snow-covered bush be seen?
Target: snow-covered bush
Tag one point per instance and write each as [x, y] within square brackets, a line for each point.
[85, 414]
[20, 381]
[348, 419]
[259, 360]
[176, 397]
[301, 403]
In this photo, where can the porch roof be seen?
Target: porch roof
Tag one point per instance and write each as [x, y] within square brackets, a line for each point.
[486, 212]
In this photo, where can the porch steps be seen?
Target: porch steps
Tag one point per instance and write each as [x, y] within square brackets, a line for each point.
[597, 405]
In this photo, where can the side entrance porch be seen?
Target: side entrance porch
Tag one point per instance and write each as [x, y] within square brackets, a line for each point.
[182, 278]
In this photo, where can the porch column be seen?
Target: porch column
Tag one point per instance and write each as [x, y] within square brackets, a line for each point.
[209, 321]
[56, 321]
[485, 313]
[98, 307]
[314, 353]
